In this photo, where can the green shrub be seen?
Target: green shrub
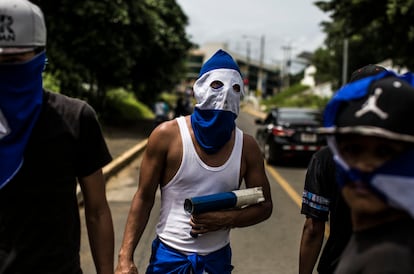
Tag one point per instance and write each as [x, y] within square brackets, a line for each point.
[51, 83]
[295, 97]
[123, 107]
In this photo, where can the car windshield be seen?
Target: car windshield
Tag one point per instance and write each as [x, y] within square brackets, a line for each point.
[300, 115]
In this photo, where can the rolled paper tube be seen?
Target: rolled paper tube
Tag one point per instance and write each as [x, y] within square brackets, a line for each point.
[249, 196]
[224, 200]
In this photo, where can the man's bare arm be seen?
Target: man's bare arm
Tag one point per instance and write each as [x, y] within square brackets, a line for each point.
[311, 244]
[152, 166]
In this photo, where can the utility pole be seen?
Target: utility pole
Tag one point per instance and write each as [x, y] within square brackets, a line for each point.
[286, 65]
[247, 66]
[345, 62]
[260, 82]
[260, 75]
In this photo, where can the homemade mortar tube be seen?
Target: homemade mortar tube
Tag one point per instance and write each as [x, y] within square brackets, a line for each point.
[224, 200]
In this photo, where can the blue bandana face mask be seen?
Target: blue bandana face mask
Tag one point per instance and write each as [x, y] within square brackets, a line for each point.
[213, 119]
[212, 128]
[393, 181]
[21, 95]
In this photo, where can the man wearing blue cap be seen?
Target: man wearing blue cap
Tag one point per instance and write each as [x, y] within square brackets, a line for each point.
[199, 154]
[48, 144]
[373, 148]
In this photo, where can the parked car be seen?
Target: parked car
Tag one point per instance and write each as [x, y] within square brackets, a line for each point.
[289, 132]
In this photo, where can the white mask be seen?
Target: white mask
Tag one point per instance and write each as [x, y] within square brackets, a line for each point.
[223, 98]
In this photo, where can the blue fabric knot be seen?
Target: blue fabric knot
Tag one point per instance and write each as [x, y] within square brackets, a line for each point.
[197, 262]
[167, 260]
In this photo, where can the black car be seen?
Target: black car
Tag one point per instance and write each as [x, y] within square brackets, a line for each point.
[289, 132]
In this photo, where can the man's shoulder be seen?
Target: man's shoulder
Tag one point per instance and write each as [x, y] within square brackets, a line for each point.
[65, 104]
[324, 153]
[324, 159]
[166, 130]
[62, 99]
[248, 139]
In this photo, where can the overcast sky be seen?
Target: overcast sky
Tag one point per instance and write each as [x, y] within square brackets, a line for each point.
[283, 23]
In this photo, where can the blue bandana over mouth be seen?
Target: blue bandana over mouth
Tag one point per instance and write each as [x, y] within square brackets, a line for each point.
[213, 119]
[212, 128]
[393, 182]
[21, 95]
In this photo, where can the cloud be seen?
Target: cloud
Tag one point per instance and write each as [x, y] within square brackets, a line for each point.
[294, 23]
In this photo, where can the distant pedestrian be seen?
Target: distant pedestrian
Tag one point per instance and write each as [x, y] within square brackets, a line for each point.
[182, 107]
[48, 144]
[161, 110]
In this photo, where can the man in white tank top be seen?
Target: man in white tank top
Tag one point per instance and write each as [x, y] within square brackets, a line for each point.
[199, 154]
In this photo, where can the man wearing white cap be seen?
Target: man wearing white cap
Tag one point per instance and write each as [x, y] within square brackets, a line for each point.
[373, 146]
[48, 143]
[199, 154]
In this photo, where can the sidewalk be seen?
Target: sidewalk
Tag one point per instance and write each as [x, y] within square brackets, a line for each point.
[124, 143]
[122, 138]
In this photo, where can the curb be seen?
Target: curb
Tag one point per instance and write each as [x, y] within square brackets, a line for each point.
[116, 165]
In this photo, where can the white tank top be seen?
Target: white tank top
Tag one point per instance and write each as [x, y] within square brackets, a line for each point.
[196, 178]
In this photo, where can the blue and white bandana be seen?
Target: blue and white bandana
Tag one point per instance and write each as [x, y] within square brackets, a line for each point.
[213, 119]
[21, 95]
[394, 180]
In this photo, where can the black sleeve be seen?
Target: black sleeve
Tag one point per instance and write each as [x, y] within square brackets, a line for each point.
[93, 152]
[319, 183]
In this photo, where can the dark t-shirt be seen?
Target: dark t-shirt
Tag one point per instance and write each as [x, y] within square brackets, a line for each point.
[39, 215]
[388, 248]
[322, 199]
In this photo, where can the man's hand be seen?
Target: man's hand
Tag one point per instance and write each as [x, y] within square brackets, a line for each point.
[126, 268]
[209, 221]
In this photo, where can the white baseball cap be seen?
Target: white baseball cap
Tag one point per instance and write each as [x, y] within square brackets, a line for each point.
[23, 27]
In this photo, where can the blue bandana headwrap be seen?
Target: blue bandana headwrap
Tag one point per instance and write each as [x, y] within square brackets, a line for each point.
[213, 119]
[394, 180]
[21, 95]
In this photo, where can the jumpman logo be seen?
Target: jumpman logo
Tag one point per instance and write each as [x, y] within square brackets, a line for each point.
[6, 32]
[4, 127]
[371, 105]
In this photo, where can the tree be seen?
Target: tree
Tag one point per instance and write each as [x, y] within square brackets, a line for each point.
[162, 60]
[376, 30]
[327, 65]
[95, 45]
